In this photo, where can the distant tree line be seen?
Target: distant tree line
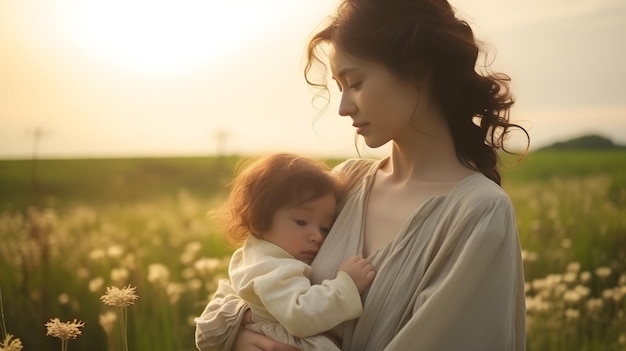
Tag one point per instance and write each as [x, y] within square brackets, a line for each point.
[587, 142]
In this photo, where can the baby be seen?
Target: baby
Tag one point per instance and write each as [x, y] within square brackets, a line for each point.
[282, 207]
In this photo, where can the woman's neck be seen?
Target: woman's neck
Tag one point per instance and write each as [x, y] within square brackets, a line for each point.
[427, 158]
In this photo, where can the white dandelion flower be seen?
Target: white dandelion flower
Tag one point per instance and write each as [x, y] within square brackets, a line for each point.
[11, 344]
[117, 297]
[64, 330]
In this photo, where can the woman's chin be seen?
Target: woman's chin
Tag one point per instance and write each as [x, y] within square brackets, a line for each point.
[374, 144]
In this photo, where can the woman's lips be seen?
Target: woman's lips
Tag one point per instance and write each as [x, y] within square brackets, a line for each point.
[360, 127]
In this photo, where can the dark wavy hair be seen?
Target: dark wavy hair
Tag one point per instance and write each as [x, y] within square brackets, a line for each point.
[419, 38]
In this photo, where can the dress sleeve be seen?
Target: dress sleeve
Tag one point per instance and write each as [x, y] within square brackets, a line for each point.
[305, 309]
[475, 299]
[217, 326]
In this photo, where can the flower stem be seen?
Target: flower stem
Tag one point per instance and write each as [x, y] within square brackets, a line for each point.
[3, 330]
[123, 315]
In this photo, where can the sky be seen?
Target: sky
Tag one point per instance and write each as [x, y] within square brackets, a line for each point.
[81, 78]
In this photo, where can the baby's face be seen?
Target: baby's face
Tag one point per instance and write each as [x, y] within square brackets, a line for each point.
[300, 230]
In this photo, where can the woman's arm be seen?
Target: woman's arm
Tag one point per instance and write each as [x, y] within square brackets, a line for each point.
[220, 326]
[248, 340]
[217, 326]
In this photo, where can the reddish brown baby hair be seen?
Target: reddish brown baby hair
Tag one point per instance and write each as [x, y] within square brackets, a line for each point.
[270, 183]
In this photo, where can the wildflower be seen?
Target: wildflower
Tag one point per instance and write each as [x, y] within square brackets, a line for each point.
[64, 299]
[206, 266]
[7, 344]
[539, 284]
[537, 304]
[573, 267]
[585, 276]
[594, 305]
[553, 280]
[618, 293]
[129, 261]
[529, 256]
[188, 273]
[571, 313]
[64, 331]
[119, 297]
[115, 251]
[119, 275]
[194, 284]
[174, 290]
[96, 254]
[82, 273]
[607, 294]
[106, 321]
[194, 246]
[158, 274]
[582, 290]
[570, 277]
[571, 296]
[95, 284]
[186, 257]
[560, 289]
[191, 250]
[11, 345]
[603, 272]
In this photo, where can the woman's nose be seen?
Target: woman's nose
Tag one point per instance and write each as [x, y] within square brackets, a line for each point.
[346, 105]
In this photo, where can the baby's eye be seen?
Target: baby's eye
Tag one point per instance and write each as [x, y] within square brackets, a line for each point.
[300, 222]
[325, 230]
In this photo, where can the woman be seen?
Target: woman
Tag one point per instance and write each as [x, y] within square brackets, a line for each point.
[430, 217]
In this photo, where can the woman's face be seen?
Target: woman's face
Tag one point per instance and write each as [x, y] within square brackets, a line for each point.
[381, 105]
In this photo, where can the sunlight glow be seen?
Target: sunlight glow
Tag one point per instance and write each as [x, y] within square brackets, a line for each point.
[168, 36]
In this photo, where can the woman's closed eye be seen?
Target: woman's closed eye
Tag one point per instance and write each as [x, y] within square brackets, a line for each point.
[339, 86]
[355, 86]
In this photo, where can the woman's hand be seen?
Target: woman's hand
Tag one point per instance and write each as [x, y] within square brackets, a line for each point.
[250, 341]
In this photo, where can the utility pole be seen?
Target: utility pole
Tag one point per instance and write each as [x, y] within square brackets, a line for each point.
[221, 137]
[39, 234]
[37, 133]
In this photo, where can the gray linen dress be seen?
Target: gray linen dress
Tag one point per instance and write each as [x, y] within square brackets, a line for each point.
[452, 279]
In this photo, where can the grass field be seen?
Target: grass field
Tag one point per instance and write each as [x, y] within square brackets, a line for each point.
[143, 222]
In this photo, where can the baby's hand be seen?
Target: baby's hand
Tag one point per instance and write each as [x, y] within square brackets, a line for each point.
[360, 270]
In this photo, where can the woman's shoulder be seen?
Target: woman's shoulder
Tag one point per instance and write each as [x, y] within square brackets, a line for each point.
[478, 191]
[353, 165]
[353, 170]
[480, 206]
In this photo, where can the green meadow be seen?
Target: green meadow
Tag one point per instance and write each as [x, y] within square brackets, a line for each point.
[71, 228]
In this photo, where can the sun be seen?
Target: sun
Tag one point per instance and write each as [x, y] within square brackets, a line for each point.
[164, 37]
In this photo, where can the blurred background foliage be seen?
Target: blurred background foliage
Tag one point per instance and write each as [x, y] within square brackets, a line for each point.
[70, 228]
